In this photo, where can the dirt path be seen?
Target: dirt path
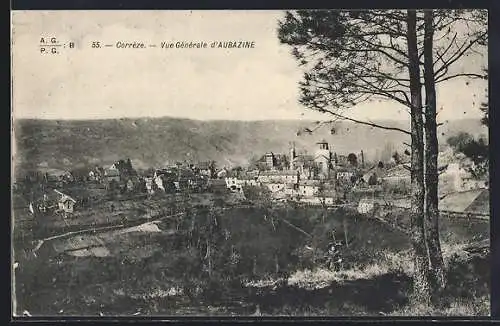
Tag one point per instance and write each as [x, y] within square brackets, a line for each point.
[100, 229]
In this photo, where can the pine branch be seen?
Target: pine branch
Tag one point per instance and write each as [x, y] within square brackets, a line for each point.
[440, 56]
[457, 55]
[470, 75]
[371, 124]
[372, 88]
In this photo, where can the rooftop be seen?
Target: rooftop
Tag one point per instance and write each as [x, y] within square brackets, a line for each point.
[203, 165]
[278, 173]
[64, 197]
[465, 200]
[398, 171]
[481, 204]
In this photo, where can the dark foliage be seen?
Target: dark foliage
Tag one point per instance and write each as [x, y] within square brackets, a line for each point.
[475, 149]
[352, 159]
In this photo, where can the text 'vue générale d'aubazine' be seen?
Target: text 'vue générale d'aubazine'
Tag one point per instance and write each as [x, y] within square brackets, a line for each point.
[206, 45]
[176, 44]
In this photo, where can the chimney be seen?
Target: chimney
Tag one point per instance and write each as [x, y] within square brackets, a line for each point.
[362, 159]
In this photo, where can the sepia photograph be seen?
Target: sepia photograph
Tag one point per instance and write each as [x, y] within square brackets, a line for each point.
[250, 163]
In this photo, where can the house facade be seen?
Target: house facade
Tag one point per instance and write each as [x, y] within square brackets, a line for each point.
[317, 200]
[308, 188]
[112, 174]
[345, 175]
[67, 205]
[276, 187]
[287, 176]
[207, 169]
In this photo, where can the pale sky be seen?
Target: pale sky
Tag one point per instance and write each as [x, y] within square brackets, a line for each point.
[206, 84]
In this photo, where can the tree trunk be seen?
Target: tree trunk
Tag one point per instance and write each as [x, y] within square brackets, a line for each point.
[276, 263]
[344, 220]
[431, 156]
[421, 286]
[14, 291]
[209, 257]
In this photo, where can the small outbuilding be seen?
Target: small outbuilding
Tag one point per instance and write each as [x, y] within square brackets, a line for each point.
[65, 202]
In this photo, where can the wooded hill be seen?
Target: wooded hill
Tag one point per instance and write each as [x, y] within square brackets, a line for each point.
[157, 141]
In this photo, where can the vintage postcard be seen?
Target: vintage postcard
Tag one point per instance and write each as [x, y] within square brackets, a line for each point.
[250, 163]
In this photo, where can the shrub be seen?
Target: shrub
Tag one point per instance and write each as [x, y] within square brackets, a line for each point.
[257, 193]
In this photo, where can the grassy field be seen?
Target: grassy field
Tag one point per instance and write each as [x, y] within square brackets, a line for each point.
[223, 260]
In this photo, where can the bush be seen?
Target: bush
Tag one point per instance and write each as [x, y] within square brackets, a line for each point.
[401, 187]
[257, 193]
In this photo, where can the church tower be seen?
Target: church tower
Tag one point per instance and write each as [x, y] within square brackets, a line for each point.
[323, 157]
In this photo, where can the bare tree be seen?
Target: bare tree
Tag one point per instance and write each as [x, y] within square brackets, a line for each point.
[358, 56]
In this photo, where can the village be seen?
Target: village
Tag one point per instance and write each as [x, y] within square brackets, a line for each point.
[325, 178]
[281, 213]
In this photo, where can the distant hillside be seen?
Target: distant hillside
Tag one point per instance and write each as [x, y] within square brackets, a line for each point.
[157, 141]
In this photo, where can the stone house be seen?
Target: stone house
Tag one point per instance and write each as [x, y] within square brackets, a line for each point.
[308, 188]
[112, 174]
[286, 176]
